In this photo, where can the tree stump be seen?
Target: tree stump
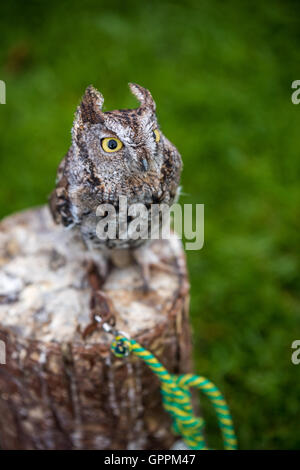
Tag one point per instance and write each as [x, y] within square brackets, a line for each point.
[59, 389]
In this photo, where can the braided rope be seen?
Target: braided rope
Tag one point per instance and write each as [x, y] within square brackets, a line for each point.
[177, 398]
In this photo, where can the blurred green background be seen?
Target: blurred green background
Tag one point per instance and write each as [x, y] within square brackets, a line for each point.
[221, 75]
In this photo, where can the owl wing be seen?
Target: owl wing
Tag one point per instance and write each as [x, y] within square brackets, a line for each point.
[171, 169]
[59, 202]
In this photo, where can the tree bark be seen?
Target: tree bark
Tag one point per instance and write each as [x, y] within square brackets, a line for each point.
[61, 389]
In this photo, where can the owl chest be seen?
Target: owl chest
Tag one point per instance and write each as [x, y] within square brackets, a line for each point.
[123, 226]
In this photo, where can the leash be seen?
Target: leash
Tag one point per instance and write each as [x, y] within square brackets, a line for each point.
[176, 396]
[175, 389]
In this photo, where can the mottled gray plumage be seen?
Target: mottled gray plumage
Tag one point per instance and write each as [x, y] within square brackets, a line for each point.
[143, 170]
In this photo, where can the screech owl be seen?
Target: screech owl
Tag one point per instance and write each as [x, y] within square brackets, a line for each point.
[113, 153]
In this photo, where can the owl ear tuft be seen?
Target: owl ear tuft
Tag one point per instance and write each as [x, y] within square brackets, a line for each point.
[89, 111]
[143, 95]
[90, 108]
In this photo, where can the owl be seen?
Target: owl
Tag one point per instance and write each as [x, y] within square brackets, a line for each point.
[112, 154]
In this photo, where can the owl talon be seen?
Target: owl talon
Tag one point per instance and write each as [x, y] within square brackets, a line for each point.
[145, 273]
[148, 260]
[145, 288]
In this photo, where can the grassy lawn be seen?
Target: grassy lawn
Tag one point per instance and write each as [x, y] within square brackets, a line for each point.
[221, 75]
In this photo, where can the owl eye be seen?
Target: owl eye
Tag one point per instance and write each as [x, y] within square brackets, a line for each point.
[111, 144]
[156, 135]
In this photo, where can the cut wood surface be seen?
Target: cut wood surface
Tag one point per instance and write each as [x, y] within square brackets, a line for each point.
[61, 389]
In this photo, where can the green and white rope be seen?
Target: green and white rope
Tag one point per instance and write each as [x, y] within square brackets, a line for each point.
[176, 396]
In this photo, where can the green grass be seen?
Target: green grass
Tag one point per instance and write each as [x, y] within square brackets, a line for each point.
[221, 74]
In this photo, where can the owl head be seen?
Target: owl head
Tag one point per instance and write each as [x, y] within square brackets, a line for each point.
[127, 138]
[113, 154]
[121, 151]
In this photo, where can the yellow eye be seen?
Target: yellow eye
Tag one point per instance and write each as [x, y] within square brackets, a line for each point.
[111, 144]
[156, 135]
